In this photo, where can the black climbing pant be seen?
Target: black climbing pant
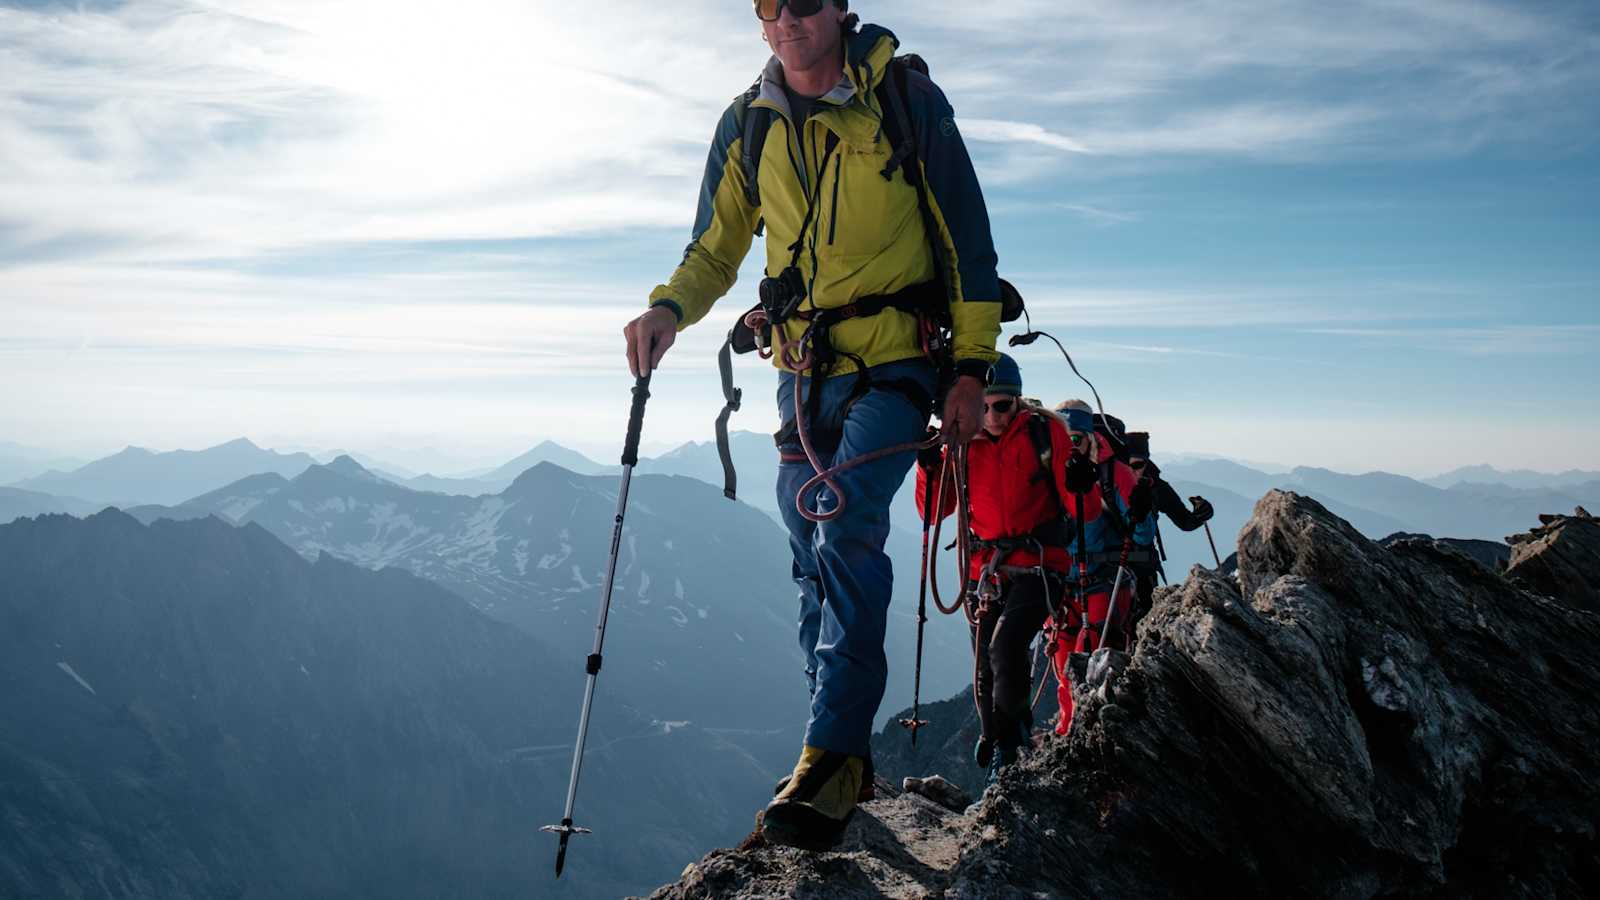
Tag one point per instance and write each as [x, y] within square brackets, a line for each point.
[1003, 676]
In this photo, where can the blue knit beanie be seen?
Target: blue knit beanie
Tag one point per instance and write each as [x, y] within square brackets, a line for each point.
[1004, 377]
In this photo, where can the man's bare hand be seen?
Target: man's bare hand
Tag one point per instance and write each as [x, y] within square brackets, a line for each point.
[649, 336]
[963, 410]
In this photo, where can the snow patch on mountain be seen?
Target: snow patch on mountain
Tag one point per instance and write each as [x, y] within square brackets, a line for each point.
[551, 560]
[235, 508]
[479, 538]
[336, 505]
[678, 618]
[577, 575]
[67, 668]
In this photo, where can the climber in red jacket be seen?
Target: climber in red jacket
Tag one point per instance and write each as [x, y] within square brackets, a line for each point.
[1108, 545]
[1027, 481]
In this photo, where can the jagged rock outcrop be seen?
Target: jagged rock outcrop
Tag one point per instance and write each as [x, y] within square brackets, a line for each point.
[1341, 720]
[1561, 559]
[1491, 554]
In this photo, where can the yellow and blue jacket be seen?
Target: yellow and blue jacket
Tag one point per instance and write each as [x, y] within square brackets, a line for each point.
[867, 235]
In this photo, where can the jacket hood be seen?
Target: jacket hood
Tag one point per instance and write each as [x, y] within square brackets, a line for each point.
[866, 56]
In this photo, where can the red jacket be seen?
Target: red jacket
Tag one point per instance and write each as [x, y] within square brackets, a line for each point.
[1009, 498]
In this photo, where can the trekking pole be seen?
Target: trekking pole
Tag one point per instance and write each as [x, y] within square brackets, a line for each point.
[1161, 548]
[916, 721]
[1083, 567]
[630, 458]
[1116, 588]
[1209, 539]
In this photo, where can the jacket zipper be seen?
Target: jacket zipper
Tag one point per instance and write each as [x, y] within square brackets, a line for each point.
[833, 219]
[791, 138]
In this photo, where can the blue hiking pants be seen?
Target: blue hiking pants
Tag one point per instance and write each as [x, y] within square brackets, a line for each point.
[844, 576]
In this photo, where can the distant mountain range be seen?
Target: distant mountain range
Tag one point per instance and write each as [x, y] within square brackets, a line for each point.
[136, 475]
[1378, 503]
[1516, 478]
[1473, 502]
[16, 503]
[18, 461]
[703, 587]
[193, 710]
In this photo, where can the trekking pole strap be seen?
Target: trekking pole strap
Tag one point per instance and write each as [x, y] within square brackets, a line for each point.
[630, 447]
[732, 399]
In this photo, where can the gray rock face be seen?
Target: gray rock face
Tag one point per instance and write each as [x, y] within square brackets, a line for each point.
[1343, 720]
[1493, 554]
[1561, 559]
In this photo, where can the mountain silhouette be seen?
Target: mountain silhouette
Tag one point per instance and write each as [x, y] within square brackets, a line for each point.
[193, 710]
[138, 476]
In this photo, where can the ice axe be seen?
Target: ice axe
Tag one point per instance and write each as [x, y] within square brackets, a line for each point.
[630, 458]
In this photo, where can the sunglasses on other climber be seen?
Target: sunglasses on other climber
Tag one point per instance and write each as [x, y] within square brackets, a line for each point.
[1000, 406]
[769, 10]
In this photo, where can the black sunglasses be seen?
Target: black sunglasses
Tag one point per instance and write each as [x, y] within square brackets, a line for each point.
[769, 10]
[1000, 406]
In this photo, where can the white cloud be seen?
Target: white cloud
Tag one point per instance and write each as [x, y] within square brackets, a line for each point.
[140, 140]
[1024, 132]
[1493, 340]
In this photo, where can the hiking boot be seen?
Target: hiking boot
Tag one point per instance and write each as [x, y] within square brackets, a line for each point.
[812, 810]
[869, 787]
[1002, 757]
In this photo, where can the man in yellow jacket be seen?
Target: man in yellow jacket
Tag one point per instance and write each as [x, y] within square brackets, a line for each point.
[848, 230]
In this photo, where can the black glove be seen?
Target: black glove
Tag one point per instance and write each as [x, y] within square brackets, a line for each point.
[1142, 501]
[1202, 509]
[930, 457]
[1081, 474]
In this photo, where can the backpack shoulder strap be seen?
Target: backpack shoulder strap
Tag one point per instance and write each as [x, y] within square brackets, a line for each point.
[1109, 497]
[894, 98]
[1039, 433]
[757, 122]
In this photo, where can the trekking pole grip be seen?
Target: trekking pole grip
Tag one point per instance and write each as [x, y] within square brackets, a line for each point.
[630, 448]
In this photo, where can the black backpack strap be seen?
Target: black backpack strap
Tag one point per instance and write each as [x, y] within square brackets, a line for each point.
[757, 122]
[894, 97]
[1108, 497]
[1039, 433]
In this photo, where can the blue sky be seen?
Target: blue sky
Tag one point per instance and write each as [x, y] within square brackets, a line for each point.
[1360, 235]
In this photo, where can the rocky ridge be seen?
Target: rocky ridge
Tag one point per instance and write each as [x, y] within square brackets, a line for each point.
[1340, 720]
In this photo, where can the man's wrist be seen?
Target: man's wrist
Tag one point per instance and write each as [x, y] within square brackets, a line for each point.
[671, 306]
[972, 368]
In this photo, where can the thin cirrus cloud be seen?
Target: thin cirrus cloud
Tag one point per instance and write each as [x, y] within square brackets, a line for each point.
[171, 128]
[172, 172]
[1494, 340]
